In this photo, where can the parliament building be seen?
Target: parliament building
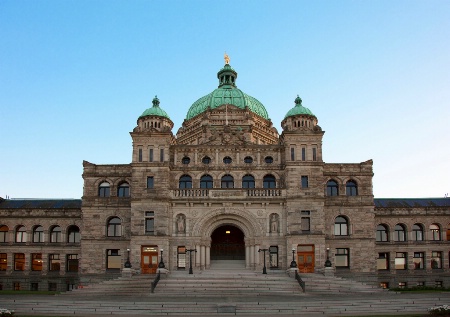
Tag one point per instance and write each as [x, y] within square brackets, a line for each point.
[227, 184]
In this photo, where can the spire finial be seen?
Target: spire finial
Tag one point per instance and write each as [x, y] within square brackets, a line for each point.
[227, 58]
[298, 101]
[155, 101]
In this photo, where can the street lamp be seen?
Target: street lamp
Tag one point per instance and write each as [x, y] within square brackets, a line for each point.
[161, 263]
[328, 262]
[264, 268]
[190, 259]
[127, 262]
[293, 263]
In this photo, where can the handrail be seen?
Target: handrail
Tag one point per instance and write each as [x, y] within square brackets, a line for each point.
[300, 281]
[155, 282]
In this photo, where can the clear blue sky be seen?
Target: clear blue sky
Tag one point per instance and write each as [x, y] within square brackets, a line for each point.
[76, 75]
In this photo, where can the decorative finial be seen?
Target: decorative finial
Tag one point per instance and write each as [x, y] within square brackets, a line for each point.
[298, 101]
[155, 102]
[227, 58]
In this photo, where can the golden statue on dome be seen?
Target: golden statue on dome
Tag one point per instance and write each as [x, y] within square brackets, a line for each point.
[227, 58]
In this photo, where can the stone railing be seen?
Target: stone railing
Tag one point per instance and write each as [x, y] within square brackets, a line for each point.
[227, 192]
[272, 192]
[202, 192]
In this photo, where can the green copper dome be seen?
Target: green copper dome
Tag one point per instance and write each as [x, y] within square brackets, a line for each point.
[227, 93]
[155, 110]
[298, 109]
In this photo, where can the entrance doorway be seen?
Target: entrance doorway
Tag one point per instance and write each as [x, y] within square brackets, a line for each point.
[227, 243]
[305, 258]
[149, 259]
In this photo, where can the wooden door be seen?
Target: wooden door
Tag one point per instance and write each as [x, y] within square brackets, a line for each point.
[149, 260]
[305, 258]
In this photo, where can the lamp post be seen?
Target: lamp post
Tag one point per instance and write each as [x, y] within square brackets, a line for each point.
[293, 263]
[161, 262]
[264, 251]
[127, 262]
[190, 259]
[328, 262]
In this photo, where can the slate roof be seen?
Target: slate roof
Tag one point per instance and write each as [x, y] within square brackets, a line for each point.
[411, 202]
[40, 203]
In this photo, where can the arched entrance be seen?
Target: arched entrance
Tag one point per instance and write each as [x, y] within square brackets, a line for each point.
[227, 243]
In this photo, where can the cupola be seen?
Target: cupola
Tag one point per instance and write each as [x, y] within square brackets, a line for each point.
[299, 117]
[154, 118]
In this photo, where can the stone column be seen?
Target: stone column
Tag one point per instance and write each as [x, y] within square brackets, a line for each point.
[197, 256]
[252, 256]
[257, 254]
[202, 257]
[247, 256]
[208, 257]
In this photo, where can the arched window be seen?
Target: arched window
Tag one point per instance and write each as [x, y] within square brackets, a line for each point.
[104, 190]
[227, 160]
[269, 181]
[4, 234]
[206, 160]
[332, 188]
[123, 190]
[21, 234]
[435, 231]
[227, 181]
[114, 227]
[400, 233]
[248, 159]
[38, 234]
[185, 160]
[185, 182]
[248, 181]
[73, 234]
[341, 226]
[417, 232]
[382, 233]
[268, 159]
[351, 189]
[55, 234]
[206, 181]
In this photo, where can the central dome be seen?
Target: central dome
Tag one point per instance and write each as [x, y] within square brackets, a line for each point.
[227, 93]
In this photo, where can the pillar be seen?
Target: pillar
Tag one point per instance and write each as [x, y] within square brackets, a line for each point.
[208, 257]
[197, 256]
[202, 257]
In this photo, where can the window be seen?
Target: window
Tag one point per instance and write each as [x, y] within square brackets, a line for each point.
[206, 181]
[185, 182]
[16, 286]
[248, 159]
[269, 181]
[248, 181]
[268, 159]
[104, 190]
[161, 155]
[436, 259]
[55, 234]
[73, 235]
[438, 283]
[227, 181]
[123, 190]
[72, 263]
[342, 257]
[36, 261]
[351, 189]
[150, 155]
[332, 188]
[140, 155]
[400, 260]
[292, 154]
[419, 260]
[34, 286]
[19, 262]
[149, 222]
[181, 257]
[3, 261]
[383, 261]
[305, 220]
[399, 233]
[402, 284]
[3, 234]
[382, 233]
[113, 259]
[38, 234]
[273, 256]
[303, 154]
[52, 287]
[21, 234]
[54, 263]
[435, 232]
[185, 160]
[314, 154]
[417, 232]
[114, 227]
[305, 182]
[150, 182]
[206, 160]
[384, 285]
[420, 284]
[341, 226]
[227, 160]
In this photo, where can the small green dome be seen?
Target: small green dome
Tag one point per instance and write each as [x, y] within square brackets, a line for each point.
[227, 93]
[298, 109]
[155, 110]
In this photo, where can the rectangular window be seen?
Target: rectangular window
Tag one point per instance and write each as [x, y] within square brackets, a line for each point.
[19, 262]
[402, 284]
[314, 154]
[436, 260]
[438, 284]
[149, 222]
[400, 260]
[52, 287]
[34, 287]
[273, 256]
[305, 220]
[420, 284]
[140, 155]
[54, 263]
[3, 261]
[342, 258]
[3, 234]
[292, 154]
[384, 285]
[303, 154]
[161, 155]
[72, 263]
[16, 286]
[383, 261]
[150, 182]
[113, 259]
[419, 260]
[36, 261]
[181, 257]
[150, 155]
[305, 182]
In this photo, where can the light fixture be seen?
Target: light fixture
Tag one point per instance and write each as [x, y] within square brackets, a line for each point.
[228, 232]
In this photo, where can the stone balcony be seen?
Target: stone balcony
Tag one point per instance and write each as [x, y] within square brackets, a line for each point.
[227, 193]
